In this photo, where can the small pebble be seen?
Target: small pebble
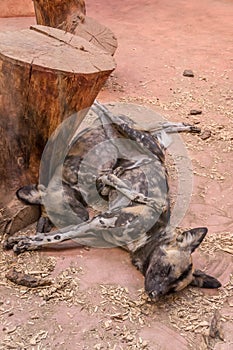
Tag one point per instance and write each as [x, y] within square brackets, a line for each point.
[206, 134]
[188, 73]
[195, 112]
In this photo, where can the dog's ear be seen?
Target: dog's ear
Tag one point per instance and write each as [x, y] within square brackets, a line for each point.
[202, 280]
[190, 240]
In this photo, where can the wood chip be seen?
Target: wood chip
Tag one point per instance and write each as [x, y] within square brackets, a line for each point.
[26, 280]
[216, 330]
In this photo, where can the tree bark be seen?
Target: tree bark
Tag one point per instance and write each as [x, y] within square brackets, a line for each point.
[53, 12]
[46, 75]
[70, 17]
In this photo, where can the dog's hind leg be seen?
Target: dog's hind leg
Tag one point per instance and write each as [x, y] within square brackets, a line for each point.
[171, 128]
[60, 205]
[162, 131]
[33, 195]
[115, 228]
[144, 140]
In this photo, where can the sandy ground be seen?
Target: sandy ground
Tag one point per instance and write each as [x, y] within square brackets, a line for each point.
[96, 300]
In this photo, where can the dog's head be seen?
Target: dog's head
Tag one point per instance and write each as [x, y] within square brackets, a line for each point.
[171, 269]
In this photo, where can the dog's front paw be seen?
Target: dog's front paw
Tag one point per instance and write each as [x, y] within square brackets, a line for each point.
[20, 244]
[24, 244]
[11, 242]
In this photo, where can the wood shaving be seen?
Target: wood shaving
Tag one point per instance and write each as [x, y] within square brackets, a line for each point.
[222, 241]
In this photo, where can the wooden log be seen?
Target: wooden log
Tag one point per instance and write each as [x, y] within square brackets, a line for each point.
[70, 17]
[46, 75]
[53, 12]
[16, 215]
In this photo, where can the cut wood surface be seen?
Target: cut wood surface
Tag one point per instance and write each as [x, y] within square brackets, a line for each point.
[70, 17]
[46, 75]
[97, 34]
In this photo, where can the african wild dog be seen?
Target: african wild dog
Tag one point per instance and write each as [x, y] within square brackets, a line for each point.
[132, 183]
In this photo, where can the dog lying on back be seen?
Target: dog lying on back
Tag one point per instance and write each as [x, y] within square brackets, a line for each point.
[119, 168]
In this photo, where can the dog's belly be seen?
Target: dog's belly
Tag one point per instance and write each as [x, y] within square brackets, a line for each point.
[140, 222]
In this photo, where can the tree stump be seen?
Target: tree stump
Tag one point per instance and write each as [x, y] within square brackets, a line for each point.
[46, 75]
[97, 34]
[53, 12]
[70, 17]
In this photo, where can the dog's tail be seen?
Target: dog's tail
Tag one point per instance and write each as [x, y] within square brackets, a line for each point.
[31, 194]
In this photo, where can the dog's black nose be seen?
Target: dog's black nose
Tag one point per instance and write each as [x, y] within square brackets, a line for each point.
[154, 294]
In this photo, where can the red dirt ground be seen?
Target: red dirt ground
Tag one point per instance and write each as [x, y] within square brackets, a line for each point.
[158, 40]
